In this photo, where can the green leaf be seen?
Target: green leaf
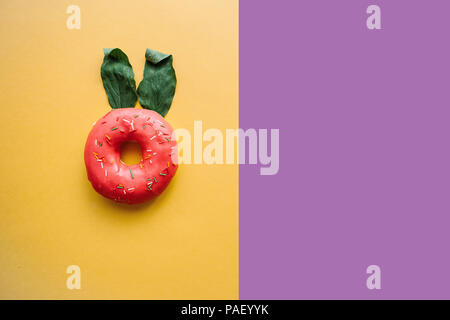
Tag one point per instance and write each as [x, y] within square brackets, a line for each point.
[118, 79]
[157, 88]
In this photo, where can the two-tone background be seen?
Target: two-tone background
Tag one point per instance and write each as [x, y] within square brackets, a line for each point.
[364, 151]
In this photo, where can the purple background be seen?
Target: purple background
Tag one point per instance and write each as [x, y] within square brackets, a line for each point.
[364, 149]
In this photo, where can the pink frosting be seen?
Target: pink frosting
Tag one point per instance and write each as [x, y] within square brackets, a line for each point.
[140, 182]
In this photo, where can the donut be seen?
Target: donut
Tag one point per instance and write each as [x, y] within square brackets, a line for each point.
[137, 183]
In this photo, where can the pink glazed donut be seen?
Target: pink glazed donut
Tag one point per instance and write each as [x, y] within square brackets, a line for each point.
[141, 182]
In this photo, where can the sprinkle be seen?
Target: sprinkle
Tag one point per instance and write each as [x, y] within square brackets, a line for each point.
[147, 157]
[150, 161]
[149, 179]
[152, 137]
[94, 123]
[167, 139]
[168, 164]
[96, 156]
[141, 165]
[155, 179]
[106, 173]
[132, 126]
[107, 137]
[100, 144]
[143, 127]
[126, 120]
[119, 187]
[136, 116]
[115, 128]
[131, 174]
[162, 174]
[101, 163]
[162, 125]
[154, 153]
[130, 189]
[124, 192]
[149, 150]
[95, 141]
[157, 132]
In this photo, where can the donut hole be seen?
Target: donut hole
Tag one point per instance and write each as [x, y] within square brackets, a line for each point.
[130, 152]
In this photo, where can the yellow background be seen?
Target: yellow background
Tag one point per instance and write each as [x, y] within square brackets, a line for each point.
[184, 245]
